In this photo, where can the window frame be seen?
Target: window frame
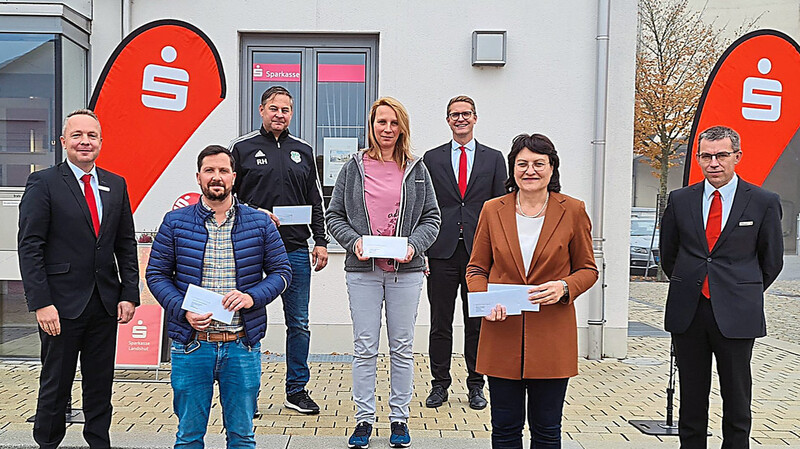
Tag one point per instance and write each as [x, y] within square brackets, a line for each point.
[308, 45]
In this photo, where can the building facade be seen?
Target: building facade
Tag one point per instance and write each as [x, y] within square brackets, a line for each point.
[567, 72]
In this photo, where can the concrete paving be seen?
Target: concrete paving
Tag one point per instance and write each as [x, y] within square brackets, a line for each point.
[600, 401]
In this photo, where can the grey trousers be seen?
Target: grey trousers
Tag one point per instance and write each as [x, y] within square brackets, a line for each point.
[368, 292]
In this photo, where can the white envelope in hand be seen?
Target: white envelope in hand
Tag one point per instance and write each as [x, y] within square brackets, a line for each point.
[293, 215]
[384, 246]
[513, 297]
[200, 300]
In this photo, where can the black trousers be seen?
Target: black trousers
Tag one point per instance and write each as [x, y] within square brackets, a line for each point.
[446, 276]
[544, 408]
[92, 337]
[693, 350]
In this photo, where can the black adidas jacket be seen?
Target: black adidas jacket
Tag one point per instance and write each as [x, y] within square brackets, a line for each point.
[280, 172]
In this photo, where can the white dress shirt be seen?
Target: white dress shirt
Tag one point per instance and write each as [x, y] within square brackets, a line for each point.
[78, 172]
[726, 194]
[456, 157]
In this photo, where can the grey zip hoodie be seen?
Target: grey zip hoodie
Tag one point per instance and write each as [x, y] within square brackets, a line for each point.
[347, 217]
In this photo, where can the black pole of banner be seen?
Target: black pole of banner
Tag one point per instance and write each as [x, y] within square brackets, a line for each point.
[73, 415]
[658, 427]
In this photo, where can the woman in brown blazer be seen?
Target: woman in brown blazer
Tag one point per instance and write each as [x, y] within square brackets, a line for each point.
[539, 237]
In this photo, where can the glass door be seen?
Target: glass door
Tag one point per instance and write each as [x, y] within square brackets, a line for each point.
[341, 111]
[333, 80]
[276, 68]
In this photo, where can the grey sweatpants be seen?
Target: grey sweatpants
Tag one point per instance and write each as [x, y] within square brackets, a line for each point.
[368, 292]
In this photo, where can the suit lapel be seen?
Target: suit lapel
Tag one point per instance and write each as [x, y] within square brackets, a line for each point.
[72, 185]
[740, 200]
[508, 220]
[447, 155]
[105, 198]
[696, 211]
[472, 176]
[552, 217]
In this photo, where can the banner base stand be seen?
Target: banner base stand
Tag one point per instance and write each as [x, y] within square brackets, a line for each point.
[654, 427]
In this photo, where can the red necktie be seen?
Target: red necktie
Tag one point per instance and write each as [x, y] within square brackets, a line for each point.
[89, 194]
[462, 172]
[713, 229]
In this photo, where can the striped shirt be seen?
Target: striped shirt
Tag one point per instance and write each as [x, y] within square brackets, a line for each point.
[219, 268]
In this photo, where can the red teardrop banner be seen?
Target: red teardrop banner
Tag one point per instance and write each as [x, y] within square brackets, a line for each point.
[158, 86]
[754, 89]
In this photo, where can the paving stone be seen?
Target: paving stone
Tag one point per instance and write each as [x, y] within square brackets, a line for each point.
[599, 403]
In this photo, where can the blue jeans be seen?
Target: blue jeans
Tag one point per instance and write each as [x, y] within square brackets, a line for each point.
[295, 312]
[545, 399]
[237, 369]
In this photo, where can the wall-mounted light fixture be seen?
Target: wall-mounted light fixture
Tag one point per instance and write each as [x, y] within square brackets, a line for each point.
[489, 48]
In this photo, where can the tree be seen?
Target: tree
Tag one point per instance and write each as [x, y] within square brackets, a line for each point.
[675, 54]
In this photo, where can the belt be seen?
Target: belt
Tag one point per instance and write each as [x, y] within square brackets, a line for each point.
[219, 336]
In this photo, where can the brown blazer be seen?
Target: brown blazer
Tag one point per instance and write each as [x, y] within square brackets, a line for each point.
[534, 345]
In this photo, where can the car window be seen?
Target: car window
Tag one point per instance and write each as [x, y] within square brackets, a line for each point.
[642, 227]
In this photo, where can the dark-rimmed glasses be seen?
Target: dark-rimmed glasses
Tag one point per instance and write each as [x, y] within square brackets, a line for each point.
[454, 116]
[722, 156]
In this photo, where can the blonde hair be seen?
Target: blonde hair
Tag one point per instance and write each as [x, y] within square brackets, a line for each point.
[402, 148]
[462, 99]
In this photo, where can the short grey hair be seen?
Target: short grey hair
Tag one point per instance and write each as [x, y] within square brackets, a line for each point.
[719, 133]
[88, 112]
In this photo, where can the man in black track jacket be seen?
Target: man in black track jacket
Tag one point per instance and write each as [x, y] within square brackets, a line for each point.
[274, 168]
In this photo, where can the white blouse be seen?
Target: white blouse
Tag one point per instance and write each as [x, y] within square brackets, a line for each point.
[528, 231]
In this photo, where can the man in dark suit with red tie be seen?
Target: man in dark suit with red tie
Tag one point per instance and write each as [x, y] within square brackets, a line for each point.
[721, 247]
[465, 174]
[77, 256]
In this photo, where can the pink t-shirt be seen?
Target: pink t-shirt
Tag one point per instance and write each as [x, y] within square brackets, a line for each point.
[382, 184]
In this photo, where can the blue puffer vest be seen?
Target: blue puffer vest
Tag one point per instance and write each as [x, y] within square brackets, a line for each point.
[176, 260]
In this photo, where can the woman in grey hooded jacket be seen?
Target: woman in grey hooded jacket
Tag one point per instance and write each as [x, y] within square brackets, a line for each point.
[384, 190]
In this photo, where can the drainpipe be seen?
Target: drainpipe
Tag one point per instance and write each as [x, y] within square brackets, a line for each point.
[126, 18]
[596, 319]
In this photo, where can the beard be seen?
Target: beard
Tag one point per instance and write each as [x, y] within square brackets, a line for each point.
[210, 195]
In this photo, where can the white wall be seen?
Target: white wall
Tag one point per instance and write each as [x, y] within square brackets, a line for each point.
[781, 15]
[424, 52]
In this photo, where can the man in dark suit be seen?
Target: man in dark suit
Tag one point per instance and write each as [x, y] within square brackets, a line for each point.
[465, 174]
[77, 255]
[721, 246]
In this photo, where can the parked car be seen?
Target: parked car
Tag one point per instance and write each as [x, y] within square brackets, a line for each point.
[644, 246]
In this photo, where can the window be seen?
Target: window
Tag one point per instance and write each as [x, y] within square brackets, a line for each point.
[333, 80]
[43, 76]
[27, 105]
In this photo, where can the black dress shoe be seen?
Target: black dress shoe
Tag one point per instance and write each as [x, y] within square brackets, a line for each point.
[476, 399]
[437, 397]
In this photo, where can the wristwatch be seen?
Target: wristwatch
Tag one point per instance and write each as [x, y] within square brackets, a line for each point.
[565, 297]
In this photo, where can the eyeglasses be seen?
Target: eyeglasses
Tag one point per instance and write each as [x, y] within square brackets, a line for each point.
[455, 115]
[722, 156]
[537, 165]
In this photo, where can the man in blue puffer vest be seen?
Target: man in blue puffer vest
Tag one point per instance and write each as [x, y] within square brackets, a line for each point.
[235, 251]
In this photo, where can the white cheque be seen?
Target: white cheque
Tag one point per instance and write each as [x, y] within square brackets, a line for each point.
[201, 300]
[514, 297]
[293, 215]
[384, 246]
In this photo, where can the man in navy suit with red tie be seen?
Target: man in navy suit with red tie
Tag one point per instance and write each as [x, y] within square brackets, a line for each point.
[77, 256]
[721, 246]
[465, 174]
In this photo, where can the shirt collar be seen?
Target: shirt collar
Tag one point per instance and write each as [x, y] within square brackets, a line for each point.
[726, 191]
[78, 172]
[228, 214]
[470, 146]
